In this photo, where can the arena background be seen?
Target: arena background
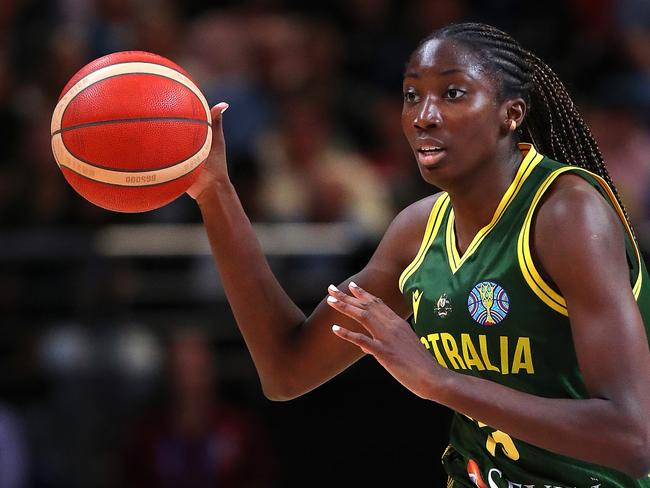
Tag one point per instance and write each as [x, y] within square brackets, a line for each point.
[115, 329]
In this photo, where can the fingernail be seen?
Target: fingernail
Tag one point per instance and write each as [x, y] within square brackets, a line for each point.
[353, 284]
[225, 108]
[331, 299]
[336, 328]
[333, 288]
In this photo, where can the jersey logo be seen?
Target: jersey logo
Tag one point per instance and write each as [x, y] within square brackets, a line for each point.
[417, 296]
[488, 303]
[443, 306]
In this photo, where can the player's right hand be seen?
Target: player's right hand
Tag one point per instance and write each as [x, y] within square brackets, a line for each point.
[214, 169]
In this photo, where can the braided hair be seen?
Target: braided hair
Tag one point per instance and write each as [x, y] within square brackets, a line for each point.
[553, 122]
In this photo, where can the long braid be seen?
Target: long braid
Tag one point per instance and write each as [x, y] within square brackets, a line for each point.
[553, 123]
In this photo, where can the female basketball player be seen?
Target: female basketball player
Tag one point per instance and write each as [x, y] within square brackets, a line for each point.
[528, 296]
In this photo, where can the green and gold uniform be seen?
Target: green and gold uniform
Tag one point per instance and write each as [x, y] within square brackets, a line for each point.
[490, 314]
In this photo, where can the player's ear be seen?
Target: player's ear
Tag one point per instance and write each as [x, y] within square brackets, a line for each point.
[514, 112]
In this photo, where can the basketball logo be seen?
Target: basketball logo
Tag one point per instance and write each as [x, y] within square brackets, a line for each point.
[488, 303]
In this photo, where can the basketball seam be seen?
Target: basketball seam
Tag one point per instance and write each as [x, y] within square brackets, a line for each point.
[128, 74]
[136, 119]
[130, 170]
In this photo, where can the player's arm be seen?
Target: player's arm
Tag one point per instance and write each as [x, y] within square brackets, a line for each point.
[579, 243]
[292, 353]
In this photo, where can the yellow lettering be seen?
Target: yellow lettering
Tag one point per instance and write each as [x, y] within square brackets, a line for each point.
[450, 347]
[503, 342]
[482, 340]
[469, 353]
[498, 437]
[433, 338]
[468, 356]
[507, 445]
[523, 358]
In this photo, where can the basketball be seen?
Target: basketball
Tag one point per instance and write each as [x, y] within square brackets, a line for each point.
[131, 131]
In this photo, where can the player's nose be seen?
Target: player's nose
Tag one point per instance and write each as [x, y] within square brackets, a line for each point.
[428, 114]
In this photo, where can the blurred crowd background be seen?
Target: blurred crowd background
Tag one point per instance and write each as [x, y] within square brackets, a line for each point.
[121, 364]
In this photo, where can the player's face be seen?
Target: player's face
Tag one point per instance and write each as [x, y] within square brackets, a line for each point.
[451, 115]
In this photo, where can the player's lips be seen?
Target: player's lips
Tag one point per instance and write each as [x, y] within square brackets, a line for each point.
[430, 153]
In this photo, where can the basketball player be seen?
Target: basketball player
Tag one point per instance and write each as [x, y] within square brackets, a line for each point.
[529, 300]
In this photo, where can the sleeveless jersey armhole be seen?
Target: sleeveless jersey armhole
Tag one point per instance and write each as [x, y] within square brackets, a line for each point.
[433, 224]
[528, 269]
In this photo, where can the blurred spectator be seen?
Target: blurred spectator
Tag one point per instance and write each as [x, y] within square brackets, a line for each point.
[374, 46]
[94, 377]
[633, 84]
[634, 25]
[218, 52]
[310, 177]
[113, 27]
[392, 157]
[46, 200]
[427, 16]
[621, 123]
[625, 144]
[196, 440]
[159, 29]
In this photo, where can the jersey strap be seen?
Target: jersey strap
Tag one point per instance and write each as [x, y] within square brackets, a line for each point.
[528, 269]
[433, 224]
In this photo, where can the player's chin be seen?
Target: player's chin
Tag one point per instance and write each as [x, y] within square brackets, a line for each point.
[436, 175]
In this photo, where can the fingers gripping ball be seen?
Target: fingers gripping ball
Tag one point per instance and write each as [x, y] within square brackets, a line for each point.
[131, 131]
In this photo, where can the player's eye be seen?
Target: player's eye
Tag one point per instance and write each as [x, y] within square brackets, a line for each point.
[454, 93]
[410, 96]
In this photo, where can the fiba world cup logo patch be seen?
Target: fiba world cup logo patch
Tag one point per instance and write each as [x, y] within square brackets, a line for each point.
[488, 303]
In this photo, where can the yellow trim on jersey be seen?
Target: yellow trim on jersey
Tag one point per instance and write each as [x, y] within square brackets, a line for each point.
[450, 241]
[535, 281]
[433, 224]
[530, 161]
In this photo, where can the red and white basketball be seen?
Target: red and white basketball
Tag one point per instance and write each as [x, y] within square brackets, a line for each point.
[131, 131]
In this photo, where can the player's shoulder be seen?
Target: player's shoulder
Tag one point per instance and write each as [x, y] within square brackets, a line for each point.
[571, 198]
[573, 213]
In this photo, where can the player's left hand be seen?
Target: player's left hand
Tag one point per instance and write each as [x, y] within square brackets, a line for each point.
[391, 340]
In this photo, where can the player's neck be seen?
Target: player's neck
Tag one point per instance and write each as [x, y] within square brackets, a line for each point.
[475, 202]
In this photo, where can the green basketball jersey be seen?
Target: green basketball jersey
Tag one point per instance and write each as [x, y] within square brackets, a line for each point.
[489, 313]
